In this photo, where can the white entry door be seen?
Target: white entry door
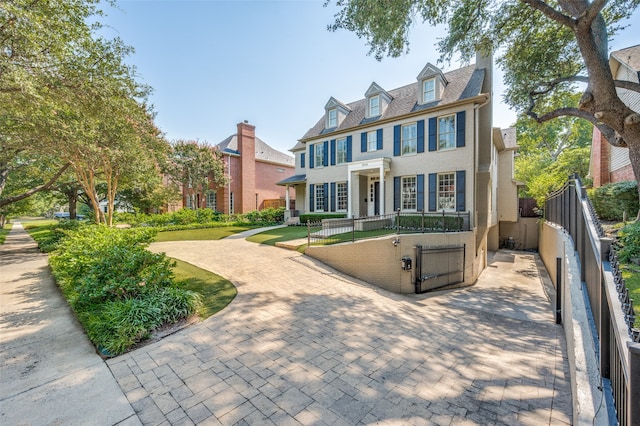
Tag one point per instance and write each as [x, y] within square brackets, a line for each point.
[373, 200]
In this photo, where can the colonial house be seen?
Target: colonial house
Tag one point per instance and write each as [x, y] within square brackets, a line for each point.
[427, 146]
[609, 163]
[253, 168]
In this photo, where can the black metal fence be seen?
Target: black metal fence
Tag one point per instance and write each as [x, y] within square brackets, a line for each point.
[613, 313]
[331, 231]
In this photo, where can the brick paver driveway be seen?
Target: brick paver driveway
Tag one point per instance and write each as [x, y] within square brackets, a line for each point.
[304, 344]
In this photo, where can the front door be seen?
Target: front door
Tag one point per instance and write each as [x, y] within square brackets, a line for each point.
[374, 196]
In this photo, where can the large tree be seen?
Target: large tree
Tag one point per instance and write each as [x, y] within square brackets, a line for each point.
[545, 48]
[195, 166]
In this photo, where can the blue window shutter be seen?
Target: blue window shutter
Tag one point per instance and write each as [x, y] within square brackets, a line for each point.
[312, 193]
[460, 190]
[396, 140]
[420, 129]
[420, 194]
[311, 156]
[379, 139]
[396, 193]
[349, 150]
[302, 160]
[460, 123]
[333, 152]
[363, 142]
[326, 197]
[433, 191]
[433, 134]
[333, 196]
[325, 160]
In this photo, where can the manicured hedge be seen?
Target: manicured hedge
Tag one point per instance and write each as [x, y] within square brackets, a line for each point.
[317, 217]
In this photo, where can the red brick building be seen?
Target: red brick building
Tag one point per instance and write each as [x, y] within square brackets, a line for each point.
[610, 164]
[253, 168]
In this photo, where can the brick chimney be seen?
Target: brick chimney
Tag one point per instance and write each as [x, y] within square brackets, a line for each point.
[246, 200]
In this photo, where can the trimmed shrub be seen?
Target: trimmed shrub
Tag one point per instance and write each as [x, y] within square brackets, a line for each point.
[314, 218]
[119, 290]
[611, 200]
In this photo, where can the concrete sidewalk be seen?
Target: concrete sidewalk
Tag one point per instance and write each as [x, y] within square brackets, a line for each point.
[49, 371]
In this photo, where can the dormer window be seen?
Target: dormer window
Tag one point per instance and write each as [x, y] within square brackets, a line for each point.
[432, 83]
[332, 118]
[335, 113]
[428, 90]
[374, 106]
[377, 101]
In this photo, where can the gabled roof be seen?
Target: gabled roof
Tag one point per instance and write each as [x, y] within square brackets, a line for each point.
[629, 56]
[263, 151]
[376, 89]
[333, 103]
[464, 83]
[429, 71]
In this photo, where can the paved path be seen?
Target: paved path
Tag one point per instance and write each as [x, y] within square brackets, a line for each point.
[304, 344]
[49, 371]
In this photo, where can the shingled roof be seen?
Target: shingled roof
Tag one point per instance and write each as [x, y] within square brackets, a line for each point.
[263, 151]
[629, 56]
[464, 83]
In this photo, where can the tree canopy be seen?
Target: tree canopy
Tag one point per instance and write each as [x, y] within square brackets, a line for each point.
[69, 97]
[547, 49]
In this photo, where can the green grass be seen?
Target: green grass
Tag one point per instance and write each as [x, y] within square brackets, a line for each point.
[273, 236]
[200, 234]
[216, 291]
[631, 275]
[4, 231]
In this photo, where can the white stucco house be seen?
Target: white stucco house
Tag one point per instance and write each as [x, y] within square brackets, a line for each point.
[426, 146]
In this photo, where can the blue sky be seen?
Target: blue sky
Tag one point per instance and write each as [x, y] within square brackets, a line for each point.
[213, 64]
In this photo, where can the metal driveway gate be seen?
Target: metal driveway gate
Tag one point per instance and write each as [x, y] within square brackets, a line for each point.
[438, 266]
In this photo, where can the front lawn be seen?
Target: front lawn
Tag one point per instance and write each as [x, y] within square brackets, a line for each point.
[216, 291]
[200, 234]
[4, 231]
[273, 236]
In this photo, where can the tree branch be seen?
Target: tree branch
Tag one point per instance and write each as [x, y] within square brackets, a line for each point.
[550, 12]
[611, 135]
[594, 9]
[32, 191]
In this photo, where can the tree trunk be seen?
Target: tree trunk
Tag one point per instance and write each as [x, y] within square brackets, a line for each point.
[72, 197]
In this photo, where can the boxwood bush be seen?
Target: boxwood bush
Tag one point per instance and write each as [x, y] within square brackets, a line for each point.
[119, 290]
[629, 243]
[317, 217]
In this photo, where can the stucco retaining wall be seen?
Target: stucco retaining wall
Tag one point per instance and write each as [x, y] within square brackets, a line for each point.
[589, 405]
[378, 261]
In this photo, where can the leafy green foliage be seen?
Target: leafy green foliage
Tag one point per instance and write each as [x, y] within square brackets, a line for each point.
[612, 200]
[119, 290]
[629, 242]
[317, 217]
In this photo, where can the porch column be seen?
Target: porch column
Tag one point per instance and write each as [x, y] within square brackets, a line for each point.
[349, 192]
[286, 205]
[381, 200]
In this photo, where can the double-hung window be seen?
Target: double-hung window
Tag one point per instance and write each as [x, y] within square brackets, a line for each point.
[409, 193]
[446, 191]
[211, 200]
[319, 198]
[428, 90]
[447, 132]
[409, 139]
[372, 141]
[319, 160]
[374, 106]
[332, 118]
[341, 195]
[341, 151]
